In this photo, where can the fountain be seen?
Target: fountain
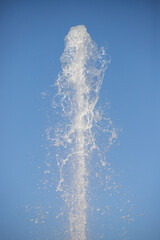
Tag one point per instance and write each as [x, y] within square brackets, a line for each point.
[87, 191]
[83, 66]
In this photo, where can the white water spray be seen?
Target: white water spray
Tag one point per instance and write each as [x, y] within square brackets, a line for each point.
[83, 66]
[86, 181]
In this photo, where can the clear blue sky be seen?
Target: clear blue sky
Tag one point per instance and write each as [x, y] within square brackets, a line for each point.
[31, 43]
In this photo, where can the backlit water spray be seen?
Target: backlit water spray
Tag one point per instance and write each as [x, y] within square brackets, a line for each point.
[83, 66]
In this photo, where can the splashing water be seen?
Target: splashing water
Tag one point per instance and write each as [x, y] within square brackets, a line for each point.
[83, 66]
[81, 133]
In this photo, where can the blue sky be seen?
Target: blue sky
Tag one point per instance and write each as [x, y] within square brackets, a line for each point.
[32, 41]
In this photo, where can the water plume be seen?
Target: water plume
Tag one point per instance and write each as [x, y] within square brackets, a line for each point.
[79, 82]
[85, 195]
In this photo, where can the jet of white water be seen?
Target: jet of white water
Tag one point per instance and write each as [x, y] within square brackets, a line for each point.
[83, 66]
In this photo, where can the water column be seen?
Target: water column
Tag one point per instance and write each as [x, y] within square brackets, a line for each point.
[78, 87]
[78, 190]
